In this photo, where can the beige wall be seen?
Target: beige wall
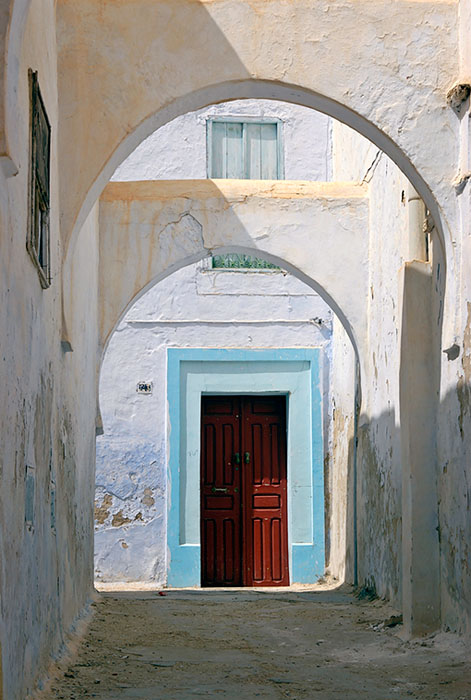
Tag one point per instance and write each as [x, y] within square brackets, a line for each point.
[208, 53]
[147, 229]
[340, 459]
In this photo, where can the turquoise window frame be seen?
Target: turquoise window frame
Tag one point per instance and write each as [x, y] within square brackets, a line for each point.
[246, 120]
[297, 373]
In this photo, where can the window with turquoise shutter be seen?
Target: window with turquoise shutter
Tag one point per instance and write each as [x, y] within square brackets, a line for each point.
[248, 150]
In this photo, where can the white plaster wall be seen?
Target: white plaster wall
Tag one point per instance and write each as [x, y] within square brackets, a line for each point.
[379, 449]
[405, 97]
[178, 149]
[149, 228]
[340, 462]
[29, 363]
[454, 417]
[45, 574]
[194, 307]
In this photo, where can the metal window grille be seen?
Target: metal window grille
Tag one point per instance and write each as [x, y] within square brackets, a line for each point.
[38, 243]
[236, 261]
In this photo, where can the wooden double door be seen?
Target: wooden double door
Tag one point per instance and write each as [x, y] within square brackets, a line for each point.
[244, 529]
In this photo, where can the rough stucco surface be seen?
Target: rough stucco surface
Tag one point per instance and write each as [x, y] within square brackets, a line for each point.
[194, 307]
[30, 368]
[45, 573]
[151, 228]
[339, 458]
[103, 98]
[379, 465]
[196, 53]
[454, 474]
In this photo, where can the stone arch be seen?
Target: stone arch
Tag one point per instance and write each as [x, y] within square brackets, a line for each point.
[263, 89]
[148, 230]
[309, 282]
[192, 54]
[314, 101]
[268, 89]
[173, 484]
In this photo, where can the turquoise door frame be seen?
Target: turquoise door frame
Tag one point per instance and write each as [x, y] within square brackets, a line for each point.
[296, 373]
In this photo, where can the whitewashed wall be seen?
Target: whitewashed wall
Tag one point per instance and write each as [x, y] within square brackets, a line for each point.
[194, 307]
[178, 149]
[48, 398]
[379, 453]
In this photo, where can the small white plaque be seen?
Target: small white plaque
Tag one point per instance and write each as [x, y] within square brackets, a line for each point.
[144, 387]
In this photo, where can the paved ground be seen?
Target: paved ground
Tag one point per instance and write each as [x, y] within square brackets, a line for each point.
[309, 643]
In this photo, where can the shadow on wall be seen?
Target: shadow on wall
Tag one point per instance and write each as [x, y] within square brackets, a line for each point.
[413, 492]
[189, 36]
[380, 513]
[375, 502]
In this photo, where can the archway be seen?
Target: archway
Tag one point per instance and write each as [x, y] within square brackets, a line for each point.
[262, 89]
[295, 363]
[198, 243]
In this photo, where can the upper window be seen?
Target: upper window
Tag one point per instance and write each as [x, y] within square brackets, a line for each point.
[38, 234]
[241, 262]
[248, 149]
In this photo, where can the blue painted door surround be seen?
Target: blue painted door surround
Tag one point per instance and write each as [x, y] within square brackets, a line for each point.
[296, 373]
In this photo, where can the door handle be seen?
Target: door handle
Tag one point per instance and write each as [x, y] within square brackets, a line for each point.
[237, 458]
[215, 489]
[247, 457]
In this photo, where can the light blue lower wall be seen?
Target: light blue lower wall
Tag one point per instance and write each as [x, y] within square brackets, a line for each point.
[293, 372]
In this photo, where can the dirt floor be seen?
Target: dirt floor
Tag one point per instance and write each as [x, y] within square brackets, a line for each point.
[308, 642]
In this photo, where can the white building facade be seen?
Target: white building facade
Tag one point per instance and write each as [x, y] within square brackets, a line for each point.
[250, 314]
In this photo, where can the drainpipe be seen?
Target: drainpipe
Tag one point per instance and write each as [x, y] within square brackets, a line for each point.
[417, 241]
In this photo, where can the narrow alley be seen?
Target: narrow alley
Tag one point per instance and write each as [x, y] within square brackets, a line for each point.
[235, 349]
[301, 642]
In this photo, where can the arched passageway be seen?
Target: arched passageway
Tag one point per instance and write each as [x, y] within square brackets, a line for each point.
[423, 283]
[103, 96]
[148, 229]
[226, 332]
[164, 222]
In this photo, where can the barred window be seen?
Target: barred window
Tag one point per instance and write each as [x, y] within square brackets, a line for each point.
[241, 262]
[38, 234]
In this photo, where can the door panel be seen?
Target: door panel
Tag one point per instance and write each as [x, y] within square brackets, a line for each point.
[264, 492]
[244, 534]
[220, 492]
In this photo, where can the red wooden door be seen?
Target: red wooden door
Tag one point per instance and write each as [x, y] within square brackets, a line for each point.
[244, 534]
[264, 495]
[220, 492]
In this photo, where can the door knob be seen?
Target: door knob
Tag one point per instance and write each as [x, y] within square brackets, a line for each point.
[247, 457]
[237, 458]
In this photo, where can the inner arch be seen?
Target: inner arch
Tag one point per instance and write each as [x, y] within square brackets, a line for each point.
[255, 252]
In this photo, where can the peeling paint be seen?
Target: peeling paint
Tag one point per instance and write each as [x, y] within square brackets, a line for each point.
[119, 519]
[102, 512]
